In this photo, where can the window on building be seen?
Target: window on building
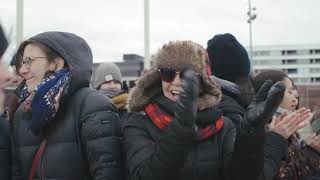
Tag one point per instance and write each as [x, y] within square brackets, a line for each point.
[311, 61]
[291, 61]
[292, 71]
[311, 51]
[317, 51]
[291, 52]
[283, 61]
[317, 79]
[283, 52]
[317, 61]
[304, 80]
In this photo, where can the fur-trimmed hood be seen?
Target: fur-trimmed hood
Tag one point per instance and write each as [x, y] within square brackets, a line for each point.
[178, 55]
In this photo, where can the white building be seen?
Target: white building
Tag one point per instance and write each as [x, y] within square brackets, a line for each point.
[302, 62]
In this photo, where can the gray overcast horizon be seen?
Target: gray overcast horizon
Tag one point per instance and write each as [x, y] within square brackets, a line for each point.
[113, 28]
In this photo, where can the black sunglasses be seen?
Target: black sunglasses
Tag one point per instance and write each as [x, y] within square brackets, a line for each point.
[168, 75]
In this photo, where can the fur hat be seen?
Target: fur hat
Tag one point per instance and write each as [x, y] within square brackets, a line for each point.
[178, 55]
[228, 58]
[106, 72]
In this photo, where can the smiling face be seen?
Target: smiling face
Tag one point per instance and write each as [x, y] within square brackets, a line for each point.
[39, 65]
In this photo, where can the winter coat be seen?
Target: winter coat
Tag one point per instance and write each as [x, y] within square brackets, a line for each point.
[4, 149]
[119, 99]
[299, 162]
[275, 146]
[230, 102]
[84, 140]
[172, 153]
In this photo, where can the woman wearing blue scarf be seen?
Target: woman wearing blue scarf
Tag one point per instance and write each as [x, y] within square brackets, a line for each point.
[62, 129]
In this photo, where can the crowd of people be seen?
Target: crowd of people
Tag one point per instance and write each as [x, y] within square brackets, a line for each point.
[197, 113]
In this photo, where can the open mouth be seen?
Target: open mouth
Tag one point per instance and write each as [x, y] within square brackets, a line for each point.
[175, 93]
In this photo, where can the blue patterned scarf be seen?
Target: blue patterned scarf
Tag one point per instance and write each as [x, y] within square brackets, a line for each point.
[44, 100]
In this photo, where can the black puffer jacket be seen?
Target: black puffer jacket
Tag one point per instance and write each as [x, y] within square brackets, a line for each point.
[84, 140]
[4, 149]
[275, 146]
[230, 102]
[173, 154]
[119, 99]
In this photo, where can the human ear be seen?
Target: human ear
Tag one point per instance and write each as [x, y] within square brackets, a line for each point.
[59, 64]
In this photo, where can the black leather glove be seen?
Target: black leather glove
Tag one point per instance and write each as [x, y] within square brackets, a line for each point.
[265, 104]
[186, 110]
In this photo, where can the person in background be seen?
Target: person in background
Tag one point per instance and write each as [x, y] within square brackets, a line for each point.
[5, 78]
[62, 128]
[176, 130]
[286, 156]
[231, 68]
[108, 80]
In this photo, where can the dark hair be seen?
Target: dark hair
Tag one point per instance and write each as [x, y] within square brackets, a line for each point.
[273, 75]
[50, 53]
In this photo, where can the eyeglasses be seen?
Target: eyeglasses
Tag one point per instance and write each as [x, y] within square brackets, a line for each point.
[27, 61]
[168, 75]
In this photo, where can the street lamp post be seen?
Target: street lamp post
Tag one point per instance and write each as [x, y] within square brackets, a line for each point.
[19, 21]
[251, 17]
[146, 35]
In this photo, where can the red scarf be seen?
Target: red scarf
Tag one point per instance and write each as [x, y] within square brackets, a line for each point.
[162, 120]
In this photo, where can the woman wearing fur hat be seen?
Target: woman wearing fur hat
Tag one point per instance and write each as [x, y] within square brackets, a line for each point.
[176, 131]
[62, 129]
[108, 80]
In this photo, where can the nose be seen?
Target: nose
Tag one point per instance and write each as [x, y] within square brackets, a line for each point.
[295, 101]
[177, 79]
[112, 84]
[23, 71]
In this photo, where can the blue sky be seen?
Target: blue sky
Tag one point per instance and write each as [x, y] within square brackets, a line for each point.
[116, 27]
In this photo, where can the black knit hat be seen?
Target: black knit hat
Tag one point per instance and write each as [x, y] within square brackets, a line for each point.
[3, 42]
[228, 58]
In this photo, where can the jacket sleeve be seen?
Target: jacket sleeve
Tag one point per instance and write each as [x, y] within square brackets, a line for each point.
[275, 149]
[101, 137]
[248, 150]
[157, 159]
[4, 149]
[227, 144]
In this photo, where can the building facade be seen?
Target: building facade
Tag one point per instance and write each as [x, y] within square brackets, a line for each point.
[302, 63]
